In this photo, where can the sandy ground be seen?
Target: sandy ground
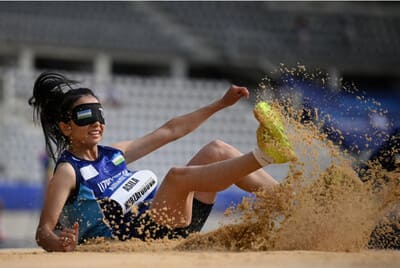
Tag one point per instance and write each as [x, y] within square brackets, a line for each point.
[323, 215]
[13, 258]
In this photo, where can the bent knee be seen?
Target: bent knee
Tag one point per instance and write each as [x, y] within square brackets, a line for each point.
[220, 150]
[175, 175]
[217, 144]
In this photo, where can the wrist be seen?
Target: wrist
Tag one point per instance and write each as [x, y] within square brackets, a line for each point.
[219, 104]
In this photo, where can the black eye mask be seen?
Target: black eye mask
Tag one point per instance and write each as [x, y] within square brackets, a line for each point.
[87, 113]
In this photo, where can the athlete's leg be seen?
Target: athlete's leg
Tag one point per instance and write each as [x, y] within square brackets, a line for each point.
[173, 201]
[218, 150]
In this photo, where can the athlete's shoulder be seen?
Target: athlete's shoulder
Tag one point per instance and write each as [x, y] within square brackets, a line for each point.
[64, 176]
[65, 157]
[65, 168]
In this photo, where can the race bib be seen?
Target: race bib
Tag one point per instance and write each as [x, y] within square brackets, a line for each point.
[133, 189]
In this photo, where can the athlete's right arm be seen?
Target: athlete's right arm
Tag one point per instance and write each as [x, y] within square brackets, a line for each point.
[59, 188]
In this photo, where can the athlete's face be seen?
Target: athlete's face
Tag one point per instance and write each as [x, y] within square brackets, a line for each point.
[86, 131]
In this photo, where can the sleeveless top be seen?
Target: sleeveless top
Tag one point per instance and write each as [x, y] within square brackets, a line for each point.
[99, 182]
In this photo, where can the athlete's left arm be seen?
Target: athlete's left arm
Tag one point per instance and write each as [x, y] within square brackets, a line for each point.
[178, 127]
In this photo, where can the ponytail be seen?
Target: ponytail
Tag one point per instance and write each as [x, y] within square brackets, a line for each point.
[52, 100]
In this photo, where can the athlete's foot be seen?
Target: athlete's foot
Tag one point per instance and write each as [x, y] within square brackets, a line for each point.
[271, 136]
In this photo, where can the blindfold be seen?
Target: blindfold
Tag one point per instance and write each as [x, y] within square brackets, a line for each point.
[87, 113]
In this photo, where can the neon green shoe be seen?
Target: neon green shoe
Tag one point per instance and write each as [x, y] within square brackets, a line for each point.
[271, 136]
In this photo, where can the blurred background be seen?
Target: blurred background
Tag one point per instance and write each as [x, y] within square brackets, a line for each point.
[150, 61]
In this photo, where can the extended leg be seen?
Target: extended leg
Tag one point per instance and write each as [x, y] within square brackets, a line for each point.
[214, 168]
[219, 150]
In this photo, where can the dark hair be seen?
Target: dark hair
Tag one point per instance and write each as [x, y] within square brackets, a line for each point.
[52, 100]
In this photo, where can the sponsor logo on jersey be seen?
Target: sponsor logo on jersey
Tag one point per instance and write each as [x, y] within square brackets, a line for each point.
[104, 184]
[114, 181]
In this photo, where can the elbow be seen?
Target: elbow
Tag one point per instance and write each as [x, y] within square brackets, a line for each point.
[38, 238]
[41, 240]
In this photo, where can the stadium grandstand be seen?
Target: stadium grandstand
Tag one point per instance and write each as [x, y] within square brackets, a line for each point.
[150, 61]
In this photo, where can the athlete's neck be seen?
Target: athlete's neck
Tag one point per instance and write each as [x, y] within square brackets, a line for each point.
[90, 154]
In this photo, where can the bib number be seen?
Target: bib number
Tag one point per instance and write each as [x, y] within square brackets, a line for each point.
[135, 189]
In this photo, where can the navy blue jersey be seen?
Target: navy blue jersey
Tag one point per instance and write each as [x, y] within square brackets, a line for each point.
[99, 182]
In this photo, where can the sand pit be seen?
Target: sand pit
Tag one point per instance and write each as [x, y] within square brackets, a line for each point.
[37, 258]
[321, 215]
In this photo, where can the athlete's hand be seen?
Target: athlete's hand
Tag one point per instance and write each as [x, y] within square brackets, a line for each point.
[69, 238]
[234, 94]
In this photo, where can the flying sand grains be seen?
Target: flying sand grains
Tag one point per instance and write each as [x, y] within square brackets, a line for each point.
[319, 209]
[319, 206]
